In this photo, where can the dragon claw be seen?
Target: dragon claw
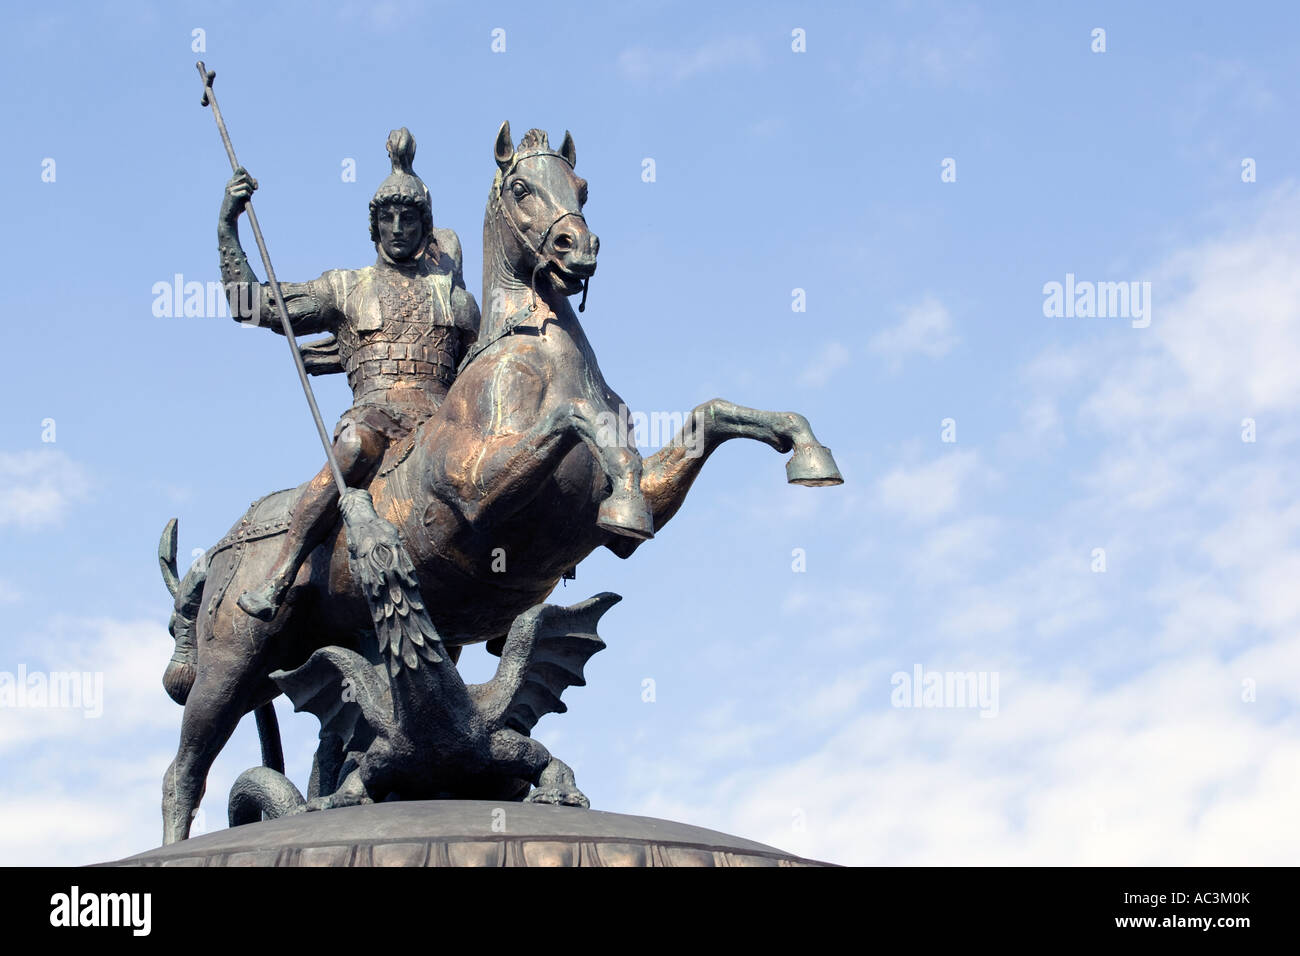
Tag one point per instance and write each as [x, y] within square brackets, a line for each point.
[554, 796]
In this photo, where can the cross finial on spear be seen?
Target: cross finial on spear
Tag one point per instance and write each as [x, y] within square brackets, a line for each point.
[210, 99]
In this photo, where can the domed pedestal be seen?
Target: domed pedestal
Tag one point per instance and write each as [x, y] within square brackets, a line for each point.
[465, 833]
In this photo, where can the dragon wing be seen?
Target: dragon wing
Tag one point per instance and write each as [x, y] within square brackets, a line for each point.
[343, 690]
[544, 654]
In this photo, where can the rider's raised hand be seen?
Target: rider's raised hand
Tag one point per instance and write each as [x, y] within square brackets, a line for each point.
[238, 191]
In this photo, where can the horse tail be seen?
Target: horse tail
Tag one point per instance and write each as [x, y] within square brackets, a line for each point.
[178, 678]
[262, 793]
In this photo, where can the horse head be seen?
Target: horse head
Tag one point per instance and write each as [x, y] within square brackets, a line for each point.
[534, 233]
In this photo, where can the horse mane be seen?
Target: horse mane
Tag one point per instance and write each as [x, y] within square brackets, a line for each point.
[534, 139]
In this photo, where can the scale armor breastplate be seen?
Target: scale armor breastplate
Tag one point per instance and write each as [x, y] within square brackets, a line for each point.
[399, 335]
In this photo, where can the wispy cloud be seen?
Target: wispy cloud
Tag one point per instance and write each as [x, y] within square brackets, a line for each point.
[955, 46]
[669, 67]
[925, 329]
[925, 492]
[382, 16]
[828, 361]
[38, 488]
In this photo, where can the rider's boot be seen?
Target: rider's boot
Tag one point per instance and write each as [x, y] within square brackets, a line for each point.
[264, 602]
[313, 515]
[357, 448]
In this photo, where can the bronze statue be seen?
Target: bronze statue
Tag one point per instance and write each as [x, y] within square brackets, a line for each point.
[469, 522]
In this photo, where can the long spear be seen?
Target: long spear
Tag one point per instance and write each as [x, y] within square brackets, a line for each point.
[403, 629]
[210, 99]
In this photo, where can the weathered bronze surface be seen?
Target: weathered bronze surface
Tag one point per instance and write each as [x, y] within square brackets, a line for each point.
[471, 495]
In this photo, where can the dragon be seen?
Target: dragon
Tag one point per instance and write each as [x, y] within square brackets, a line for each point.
[402, 723]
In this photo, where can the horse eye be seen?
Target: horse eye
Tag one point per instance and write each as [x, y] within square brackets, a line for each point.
[519, 189]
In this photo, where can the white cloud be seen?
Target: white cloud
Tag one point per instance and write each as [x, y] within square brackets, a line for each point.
[129, 656]
[1223, 342]
[38, 488]
[88, 788]
[926, 492]
[1042, 423]
[1169, 767]
[829, 360]
[846, 618]
[1055, 367]
[955, 550]
[926, 329]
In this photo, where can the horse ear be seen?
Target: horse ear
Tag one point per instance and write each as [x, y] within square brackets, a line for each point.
[568, 150]
[505, 149]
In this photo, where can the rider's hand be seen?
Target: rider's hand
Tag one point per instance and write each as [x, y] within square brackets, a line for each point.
[238, 191]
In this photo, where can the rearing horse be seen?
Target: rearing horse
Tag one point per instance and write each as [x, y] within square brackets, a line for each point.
[514, 481]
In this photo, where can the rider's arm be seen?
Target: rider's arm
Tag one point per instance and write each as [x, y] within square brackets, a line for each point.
[310, 305]
[236, 274]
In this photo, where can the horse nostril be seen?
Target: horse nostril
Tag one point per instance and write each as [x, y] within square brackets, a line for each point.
[564, 242]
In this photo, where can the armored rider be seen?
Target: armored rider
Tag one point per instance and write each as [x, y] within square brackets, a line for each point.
[399, 330]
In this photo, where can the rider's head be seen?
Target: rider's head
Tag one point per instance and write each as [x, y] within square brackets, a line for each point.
[401, 215]
[400, 226]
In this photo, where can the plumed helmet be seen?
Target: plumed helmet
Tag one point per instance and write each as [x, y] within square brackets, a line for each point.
[402, 185]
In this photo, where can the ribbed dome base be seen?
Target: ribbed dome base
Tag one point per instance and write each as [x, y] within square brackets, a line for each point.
[465, 833]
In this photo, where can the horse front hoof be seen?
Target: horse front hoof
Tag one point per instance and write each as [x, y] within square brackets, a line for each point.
[626, 514]
[812, 466]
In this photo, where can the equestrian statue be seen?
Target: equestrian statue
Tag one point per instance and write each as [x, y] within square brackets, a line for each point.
[475, 469]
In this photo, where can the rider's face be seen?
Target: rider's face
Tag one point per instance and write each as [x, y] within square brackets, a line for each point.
[401, 228]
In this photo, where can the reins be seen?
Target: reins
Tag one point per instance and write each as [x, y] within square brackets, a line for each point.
[513, 323]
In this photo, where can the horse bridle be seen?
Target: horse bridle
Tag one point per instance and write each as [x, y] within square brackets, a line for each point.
[513, 323]
[538, 262]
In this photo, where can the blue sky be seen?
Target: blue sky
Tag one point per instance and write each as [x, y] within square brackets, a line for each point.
[1146, 714]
